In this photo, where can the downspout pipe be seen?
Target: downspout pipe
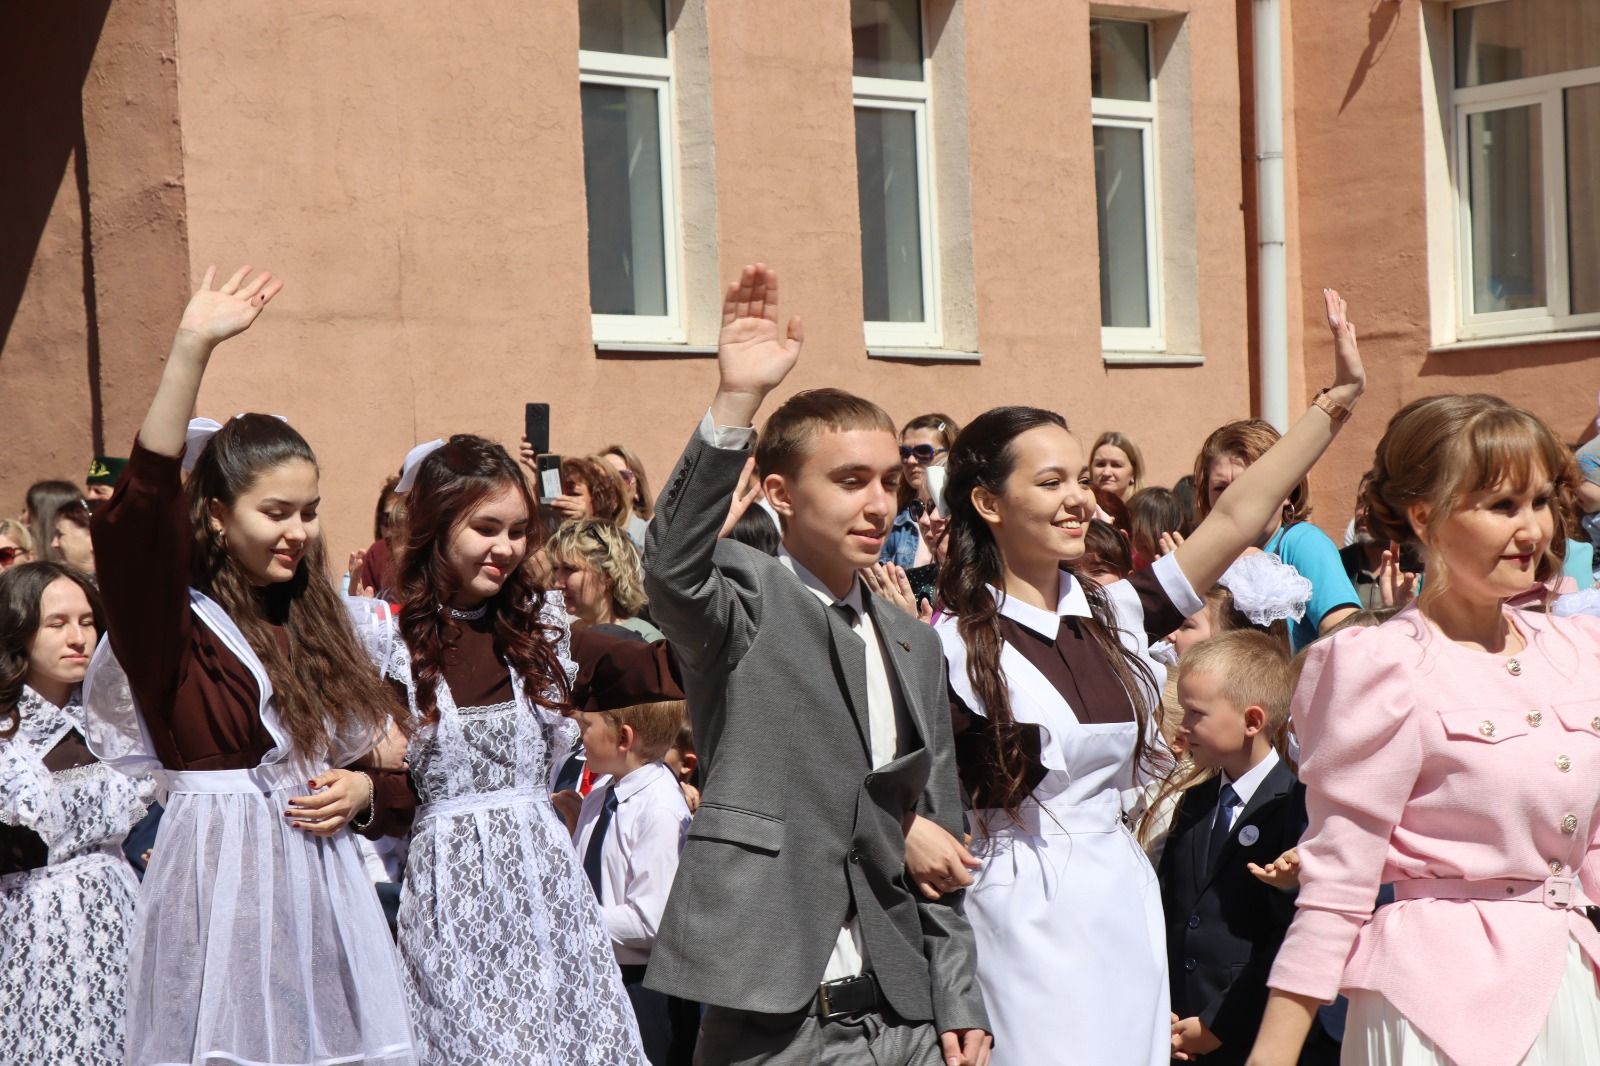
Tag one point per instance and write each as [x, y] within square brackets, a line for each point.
[1272, 275]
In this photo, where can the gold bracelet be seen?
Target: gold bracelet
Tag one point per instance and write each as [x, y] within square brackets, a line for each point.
[1331, 407]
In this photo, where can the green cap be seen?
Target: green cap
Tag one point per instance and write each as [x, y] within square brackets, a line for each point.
[105, 470]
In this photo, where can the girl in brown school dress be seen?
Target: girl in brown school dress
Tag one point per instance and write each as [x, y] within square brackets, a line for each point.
[234, 674]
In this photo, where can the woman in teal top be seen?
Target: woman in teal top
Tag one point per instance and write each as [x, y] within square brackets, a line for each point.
[1290, 536]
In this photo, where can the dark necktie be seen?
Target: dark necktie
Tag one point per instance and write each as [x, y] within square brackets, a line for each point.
[597, 840]
[1227, 799]
[848, 613]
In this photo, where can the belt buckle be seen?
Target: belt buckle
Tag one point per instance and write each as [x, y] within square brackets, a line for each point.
[1558, 892]
[824, 1002]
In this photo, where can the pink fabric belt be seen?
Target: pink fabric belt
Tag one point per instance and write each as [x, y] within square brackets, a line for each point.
[1557, 893]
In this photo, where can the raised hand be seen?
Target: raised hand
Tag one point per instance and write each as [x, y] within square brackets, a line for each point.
[1349, 376]
[214, 315]
[358, 558]
[1396, 587]
[754, 352]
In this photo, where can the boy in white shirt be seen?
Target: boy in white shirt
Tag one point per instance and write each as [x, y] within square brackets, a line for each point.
[629, 832]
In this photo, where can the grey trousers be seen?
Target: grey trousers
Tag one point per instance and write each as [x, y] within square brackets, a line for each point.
[746, 1038]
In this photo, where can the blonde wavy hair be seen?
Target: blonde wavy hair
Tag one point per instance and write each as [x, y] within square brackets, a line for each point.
[603, 548]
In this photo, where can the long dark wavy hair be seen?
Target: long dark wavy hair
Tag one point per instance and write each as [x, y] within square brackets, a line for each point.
[326, 678]
[451, 483]
[21, 589]
[983, 456]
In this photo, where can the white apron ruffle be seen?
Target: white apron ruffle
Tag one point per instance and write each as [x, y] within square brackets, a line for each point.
[256, 944]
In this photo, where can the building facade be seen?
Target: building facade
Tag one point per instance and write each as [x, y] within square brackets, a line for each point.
[971, 202]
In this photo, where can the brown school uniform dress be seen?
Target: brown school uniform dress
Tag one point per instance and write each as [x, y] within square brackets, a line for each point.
[212, 982]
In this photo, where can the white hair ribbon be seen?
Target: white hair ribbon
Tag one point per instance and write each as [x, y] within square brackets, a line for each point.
[199, 434]
[408, 469]
[1266, 589]
[935, 477]
[195, 439]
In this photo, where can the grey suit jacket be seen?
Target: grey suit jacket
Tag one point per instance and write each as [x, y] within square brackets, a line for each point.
[795, 829]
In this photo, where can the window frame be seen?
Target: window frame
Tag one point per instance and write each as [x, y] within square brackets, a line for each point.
[898, 94]
[1544, 91]
[1140, 115]
[654, 74]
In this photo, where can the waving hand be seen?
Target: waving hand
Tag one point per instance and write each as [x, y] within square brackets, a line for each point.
[754, 352]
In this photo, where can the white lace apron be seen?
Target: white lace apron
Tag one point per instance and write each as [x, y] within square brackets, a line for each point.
[257, 944]
[64, 926]
[506, 957]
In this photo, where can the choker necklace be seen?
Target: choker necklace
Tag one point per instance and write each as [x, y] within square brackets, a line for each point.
[469, 615]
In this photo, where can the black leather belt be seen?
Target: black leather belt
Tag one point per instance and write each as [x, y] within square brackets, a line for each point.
[846, 996]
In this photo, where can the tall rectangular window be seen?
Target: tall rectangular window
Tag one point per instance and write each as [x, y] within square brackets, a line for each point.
[1526, 104]
[628, 165]
[899, 298]
[1124, 116]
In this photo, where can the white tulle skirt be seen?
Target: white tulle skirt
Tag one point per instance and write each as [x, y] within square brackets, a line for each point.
[1378, 1035]
[257, 944]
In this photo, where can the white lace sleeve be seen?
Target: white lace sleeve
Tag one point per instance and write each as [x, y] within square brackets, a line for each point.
[25, 798]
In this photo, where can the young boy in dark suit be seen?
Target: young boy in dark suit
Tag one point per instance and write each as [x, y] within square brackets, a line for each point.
[1227, 877]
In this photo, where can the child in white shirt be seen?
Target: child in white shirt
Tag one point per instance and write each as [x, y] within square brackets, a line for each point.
[628, 834]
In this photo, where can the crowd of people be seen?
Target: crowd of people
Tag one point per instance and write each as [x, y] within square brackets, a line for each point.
[861, 742]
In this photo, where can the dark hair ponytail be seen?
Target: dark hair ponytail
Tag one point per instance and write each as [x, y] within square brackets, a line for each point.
[983, 457]
[451, 482]
[326, 675]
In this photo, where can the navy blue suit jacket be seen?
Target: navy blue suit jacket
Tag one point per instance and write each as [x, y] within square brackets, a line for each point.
[1224, 926]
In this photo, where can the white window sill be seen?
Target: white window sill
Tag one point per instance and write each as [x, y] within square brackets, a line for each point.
[924, 355]
[605, 348]
[1151, 359]
[1514, 340]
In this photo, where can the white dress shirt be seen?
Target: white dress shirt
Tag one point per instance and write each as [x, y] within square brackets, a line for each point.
[885, 711]
[639, 856]
[1246, 786]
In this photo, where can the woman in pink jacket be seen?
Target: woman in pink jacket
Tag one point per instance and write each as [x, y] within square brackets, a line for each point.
[1455, 753]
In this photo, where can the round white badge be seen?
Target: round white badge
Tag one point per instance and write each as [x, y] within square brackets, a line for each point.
[1249, 835]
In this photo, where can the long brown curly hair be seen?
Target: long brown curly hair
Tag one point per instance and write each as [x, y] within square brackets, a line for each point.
[21, 589]
[325, 678]
[983, 456]
[451, 483]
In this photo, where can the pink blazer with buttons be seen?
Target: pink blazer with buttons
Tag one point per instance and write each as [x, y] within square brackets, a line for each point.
[1424, 759]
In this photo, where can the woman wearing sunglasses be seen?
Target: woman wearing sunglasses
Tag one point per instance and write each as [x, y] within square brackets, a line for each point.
[924, 442]
[16, 545]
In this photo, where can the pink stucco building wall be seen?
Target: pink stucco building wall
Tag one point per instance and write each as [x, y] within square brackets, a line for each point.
[416, 174]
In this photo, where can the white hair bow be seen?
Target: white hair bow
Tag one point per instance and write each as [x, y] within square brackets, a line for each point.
[195, 439]
[199, 434]
[1266, 589]
[408, 469]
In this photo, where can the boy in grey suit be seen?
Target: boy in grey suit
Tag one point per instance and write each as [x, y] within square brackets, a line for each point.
[822, 724]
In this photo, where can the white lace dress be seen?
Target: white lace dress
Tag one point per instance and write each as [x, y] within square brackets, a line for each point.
[64, 927]
[505, 956]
